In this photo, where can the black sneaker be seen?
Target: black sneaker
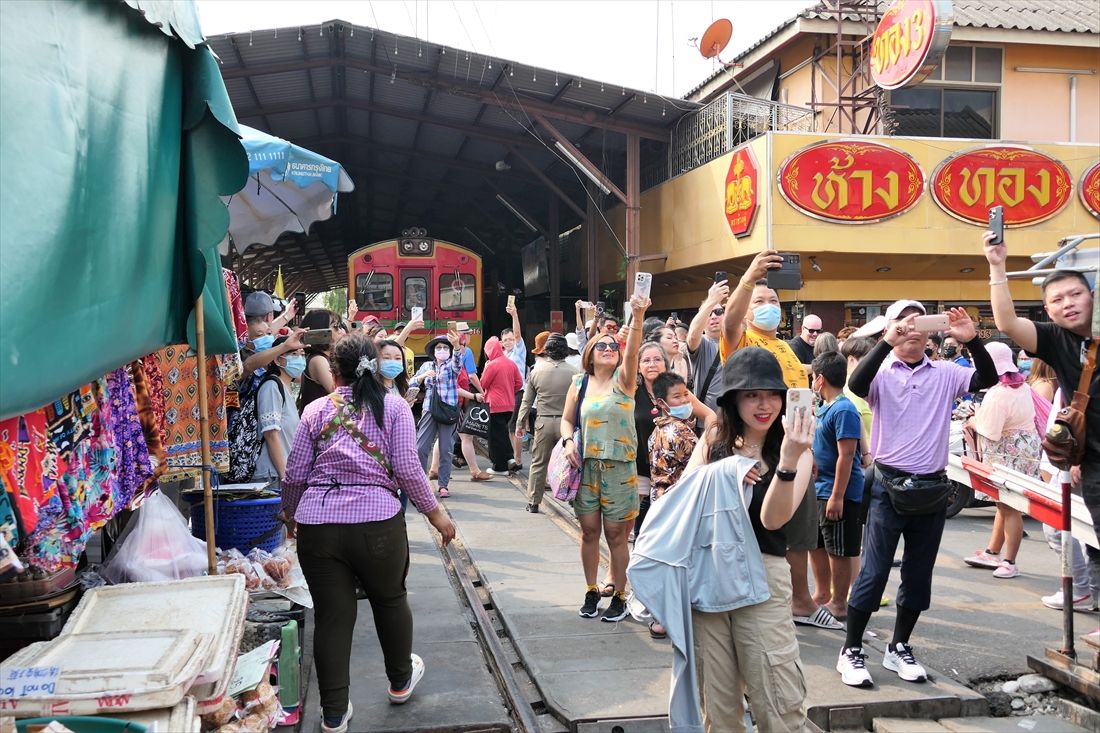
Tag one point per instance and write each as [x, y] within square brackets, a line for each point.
[533, 508]
[591, 607]
[616, 610]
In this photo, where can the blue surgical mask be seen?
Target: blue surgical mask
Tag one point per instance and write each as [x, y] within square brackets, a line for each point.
[680, 412]
[262, 343]
[295, 365]
[767, 316]
[390, 369]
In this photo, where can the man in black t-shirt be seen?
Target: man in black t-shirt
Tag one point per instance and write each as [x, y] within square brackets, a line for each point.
[1063, 344]
[803, 343]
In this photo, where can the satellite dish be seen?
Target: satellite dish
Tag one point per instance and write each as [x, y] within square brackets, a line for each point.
[716, 38]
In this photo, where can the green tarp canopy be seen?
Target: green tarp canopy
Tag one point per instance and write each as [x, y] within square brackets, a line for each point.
[116, 140]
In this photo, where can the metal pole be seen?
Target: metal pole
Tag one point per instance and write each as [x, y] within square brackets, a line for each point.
[1067, 569]
[593, 247]
[206, 477]
[554, 254]
[633, 209]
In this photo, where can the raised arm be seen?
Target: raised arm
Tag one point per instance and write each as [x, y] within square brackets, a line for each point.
[1020, 330]
[408, 330]
[261, 359]
[716, 295]
[515, 320]
[737, 306]
[628, 372]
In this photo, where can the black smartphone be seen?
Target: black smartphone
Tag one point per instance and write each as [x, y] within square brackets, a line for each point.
[720, 276]
[675, 317]
[997, 224]
[787, 276]
[600, 307]
[300, 297]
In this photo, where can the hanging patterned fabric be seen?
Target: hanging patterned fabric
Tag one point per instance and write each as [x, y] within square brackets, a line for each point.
[181, 392]
[31, 463]
[151, 428]
[236, 305]
[134, 467]
[150, 364]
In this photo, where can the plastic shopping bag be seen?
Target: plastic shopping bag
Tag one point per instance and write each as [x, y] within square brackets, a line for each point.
[156, 546]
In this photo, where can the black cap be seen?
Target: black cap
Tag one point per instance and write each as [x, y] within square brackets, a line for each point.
[752, 368]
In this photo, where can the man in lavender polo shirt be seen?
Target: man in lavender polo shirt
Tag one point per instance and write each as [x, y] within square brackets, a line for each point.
[911, 399]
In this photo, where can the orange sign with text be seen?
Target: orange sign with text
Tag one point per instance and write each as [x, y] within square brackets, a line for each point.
[1089, 189]
[1031, 186]
[850, 182]
[909, 42]
[741, 192]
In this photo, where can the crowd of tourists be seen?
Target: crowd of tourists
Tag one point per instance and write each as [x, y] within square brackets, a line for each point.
[832, 447]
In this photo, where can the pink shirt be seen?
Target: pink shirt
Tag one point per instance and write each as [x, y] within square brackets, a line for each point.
[1004, 410]
[912, 411]
[501, 380]
[335, 481]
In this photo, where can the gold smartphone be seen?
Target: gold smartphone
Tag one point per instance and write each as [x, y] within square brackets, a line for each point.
[511, 301]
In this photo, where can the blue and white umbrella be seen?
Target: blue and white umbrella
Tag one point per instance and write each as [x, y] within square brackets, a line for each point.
[289, 188]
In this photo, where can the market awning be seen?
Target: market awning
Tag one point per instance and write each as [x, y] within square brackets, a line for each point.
[118, 140]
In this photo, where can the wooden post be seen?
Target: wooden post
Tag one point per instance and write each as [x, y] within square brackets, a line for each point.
[204, 436]
[633, 210]
[590, 230]
[554, 254]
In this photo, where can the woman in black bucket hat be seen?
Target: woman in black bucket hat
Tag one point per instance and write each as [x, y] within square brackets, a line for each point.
[753, 648]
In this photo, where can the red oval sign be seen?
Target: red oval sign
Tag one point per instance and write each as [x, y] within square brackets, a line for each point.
[850, 182]
[1030, 185]
[910, 41]
[1089, 189]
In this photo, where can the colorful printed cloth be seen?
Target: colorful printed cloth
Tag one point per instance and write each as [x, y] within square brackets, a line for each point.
[150, 364]
[670, 448]
[134, 467]
[236, 305]
[30, 465]
[179, 368]
[151, 428]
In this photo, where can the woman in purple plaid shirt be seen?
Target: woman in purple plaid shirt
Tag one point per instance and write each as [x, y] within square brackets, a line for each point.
[353, 450]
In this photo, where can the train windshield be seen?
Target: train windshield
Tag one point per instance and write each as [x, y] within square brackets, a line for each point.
[374, 291]
[457, 292]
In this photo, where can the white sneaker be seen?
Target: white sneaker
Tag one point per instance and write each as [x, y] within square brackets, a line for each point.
[899, 658]
[341, 727]
[852, 665]
[982, 559]
[1084, 602]
[400, 697]
[1006, 570]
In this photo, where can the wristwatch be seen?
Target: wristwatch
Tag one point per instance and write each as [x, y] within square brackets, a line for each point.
[783, 475]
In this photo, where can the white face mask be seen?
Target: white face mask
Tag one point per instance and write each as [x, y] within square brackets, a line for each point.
[442, 354]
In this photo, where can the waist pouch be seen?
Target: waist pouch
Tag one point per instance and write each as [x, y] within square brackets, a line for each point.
[914, 494]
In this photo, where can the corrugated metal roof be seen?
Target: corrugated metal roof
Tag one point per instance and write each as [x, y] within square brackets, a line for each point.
[422, 127]
[1059, 16]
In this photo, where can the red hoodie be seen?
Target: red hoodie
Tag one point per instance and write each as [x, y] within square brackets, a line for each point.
[500, 378]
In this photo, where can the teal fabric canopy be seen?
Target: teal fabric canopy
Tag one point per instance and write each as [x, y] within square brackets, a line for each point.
[118, 139]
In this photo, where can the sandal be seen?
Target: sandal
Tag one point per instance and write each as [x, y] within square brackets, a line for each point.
[656, 631]
[821, 618]
[608, 590]
[480, 476]
[444, 493]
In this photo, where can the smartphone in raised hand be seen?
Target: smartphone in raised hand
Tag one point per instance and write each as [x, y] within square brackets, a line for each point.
[932, 323]
[787, 276]
[720, 276]
[318, 337]
[800, 399]
[997, 225]
[511, 301]
[643, 284]
[417, 313]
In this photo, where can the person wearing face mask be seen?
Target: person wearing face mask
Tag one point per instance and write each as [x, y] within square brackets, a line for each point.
[260, 349]
[391, 368]
[933, 346]
[752, 318]
[951, 351]
[276, 412]
[673, 437]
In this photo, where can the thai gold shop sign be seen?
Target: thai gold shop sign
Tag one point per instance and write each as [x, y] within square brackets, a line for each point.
[909, 41]
[1089, 189]
[850, 182]
[741, 192]
[1031, 186]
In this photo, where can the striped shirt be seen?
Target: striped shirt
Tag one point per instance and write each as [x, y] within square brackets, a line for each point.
[335, 481]
[446, 377]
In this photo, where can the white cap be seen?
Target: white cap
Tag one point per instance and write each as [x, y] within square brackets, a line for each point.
[572, 341]
[878, 324]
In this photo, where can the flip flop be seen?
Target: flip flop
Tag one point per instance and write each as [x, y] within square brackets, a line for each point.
[480, 477]
[608, 590]
[654, 634]
[821, 619]
[444, 493]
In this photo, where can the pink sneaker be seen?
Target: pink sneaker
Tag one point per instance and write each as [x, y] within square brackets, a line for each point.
[1006, 570]
[982, 559]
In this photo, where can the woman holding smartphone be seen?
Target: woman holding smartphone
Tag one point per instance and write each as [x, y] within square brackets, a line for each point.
[608, 494]
[753, 649]
[317, 380]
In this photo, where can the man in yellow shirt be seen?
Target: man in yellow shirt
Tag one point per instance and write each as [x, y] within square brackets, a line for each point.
[753, 315]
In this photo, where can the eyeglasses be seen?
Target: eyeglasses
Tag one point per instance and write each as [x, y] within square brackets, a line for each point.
[606, 346]
[813, 330]
[718, 312]
[610, 328]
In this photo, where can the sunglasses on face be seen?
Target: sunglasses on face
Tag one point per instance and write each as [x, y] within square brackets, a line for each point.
[606, 346]
[813, 330]
[611, 328]
[718, 312]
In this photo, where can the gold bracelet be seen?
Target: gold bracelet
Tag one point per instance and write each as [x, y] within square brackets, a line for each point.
[999, 282]
[746, 287]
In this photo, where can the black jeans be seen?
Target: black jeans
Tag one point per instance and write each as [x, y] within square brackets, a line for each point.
[500, 443]
[333, 557]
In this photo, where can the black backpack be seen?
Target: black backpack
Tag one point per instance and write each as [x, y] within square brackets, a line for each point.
[243, 431]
